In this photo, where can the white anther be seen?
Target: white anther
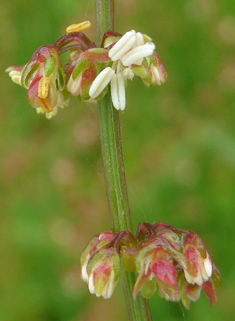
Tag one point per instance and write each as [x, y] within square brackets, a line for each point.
[123, 45]
[100, 82]
[118, 91]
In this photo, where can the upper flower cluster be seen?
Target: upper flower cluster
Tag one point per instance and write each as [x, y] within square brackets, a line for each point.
[89, 71]
[132, 54]
[172, 262]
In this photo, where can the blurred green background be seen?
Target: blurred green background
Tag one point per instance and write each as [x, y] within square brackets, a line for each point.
[179, 152]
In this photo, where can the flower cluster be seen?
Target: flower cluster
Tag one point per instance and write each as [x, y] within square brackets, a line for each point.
[131, 54]
[90, 71]
[172, 262]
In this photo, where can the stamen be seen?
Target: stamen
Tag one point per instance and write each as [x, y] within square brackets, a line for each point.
[118, 91]
[73, 86]
[100, 82]
[133, 55]
[156, 78]
[123, 45]
[208, 266]
[43, 87]
[139, 42]
[45, 105]
[91, 284]
[78, 27]
[139, 39]
[52, 113]
[15, 76]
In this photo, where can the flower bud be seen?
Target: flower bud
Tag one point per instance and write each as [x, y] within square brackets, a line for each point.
[154, 265]
[103, 272]
[100, 261]
[199, 263]
[94, 245]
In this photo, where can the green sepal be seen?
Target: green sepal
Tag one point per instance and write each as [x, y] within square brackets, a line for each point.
[88, 76]
[149, 288]
[94, 259]
[28, 73]
[129, 263]
[50, 66]
[110, 40]
[116, 267]
[60, 79]
[148, 61]
[147, 38]
[216, 277]
[100, 283]
[139, 71]
[93, 242]
[146, 250]
[81, 66]
[110, 63]
[96, 55]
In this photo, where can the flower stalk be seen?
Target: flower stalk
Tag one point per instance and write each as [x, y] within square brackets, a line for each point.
[116, 189]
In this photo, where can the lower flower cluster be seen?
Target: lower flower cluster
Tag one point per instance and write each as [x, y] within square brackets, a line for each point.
[172, 262]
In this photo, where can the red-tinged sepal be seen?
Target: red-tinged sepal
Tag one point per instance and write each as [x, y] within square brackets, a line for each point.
[210, 292]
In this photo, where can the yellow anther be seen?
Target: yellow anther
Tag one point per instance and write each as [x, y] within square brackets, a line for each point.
[43, 87]
[45, 105]
[78, 27]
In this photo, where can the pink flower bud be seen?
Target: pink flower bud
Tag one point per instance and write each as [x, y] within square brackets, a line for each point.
[96, 242]
[103, 272]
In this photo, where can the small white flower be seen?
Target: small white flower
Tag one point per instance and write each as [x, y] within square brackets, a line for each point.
[129, 49]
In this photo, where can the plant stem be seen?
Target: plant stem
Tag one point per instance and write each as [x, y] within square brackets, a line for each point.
[113, 166]
[114, 172]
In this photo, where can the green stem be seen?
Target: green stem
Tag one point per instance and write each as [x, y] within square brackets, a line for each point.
[114, 172]
[113, 166]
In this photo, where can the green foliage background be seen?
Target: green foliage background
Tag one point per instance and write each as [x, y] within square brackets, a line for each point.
[179, 152]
